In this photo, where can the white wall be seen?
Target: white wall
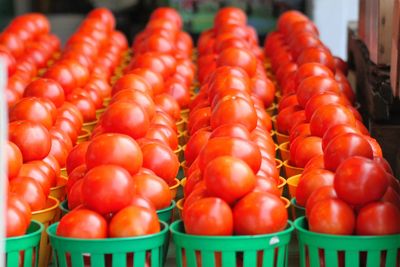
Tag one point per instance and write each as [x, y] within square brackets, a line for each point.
[331, 18]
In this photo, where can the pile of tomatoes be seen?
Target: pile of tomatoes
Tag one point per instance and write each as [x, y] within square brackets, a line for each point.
[232, 179]
[347, 186]
[122, 175]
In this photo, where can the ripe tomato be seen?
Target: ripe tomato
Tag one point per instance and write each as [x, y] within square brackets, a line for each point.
[171, 139]
[285, 117]
[34, 171]
[77, 174]
[77, 156]
[230, 15]
[310, 182]
[74, 196]
[14, 160]
[234, 110]
[107, 188]
[235, 147]
[238, 57]
[134, 82]
[332, 216]
[168, 14]
[231, 130]
[198, 119]
[61, 73]
[179, 91]
[53, 163]
[59, 150]
[142, 99]
[328, 116]
[345, 146]
[384, 164]
[310, 69]
[8, 59]
[315, 85]
[266, 185]
[32, 139]
[323, 99]
[46, 88]
[264, 89]
[29, 190]
[105, 15]
[31, 109]
[134, 221]
[116, 149]
[259, 213]
[101, 84]
[91, 93]
[153, 78]
[316, 162]
[169, 105]
[18, 203]
[126, 118]
[321, 193]
[161, 160]
[317, 54]
[208, 216]
[15, 221]
[195, 144]
[82, 223]
[72, 113]
[376, 148]
[13, 43]
[151, 61]
[302, 129]
[154, 189]
[359, 181]
[228, 178]
[335, 131]
[378, 218]
[307, 148]
[85, 106]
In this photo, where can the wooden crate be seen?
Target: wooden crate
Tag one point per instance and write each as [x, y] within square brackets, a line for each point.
[395, 62]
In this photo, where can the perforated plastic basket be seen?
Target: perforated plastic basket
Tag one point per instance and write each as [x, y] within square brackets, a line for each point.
[230, 251]
[337, 250]
[112, 252]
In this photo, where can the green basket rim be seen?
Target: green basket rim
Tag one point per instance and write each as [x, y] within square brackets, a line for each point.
[38, 231]
[294, 203]
[170, 207]
[301, 220]
[52, 228]
[290, 228]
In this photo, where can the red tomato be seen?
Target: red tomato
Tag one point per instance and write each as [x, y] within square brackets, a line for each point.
[235, 147]
[86, 107]
[234, 110]
[77, 156]
[312, 69]
[323, 99]
[198, 119]
[125, 118]
[310, 182]
[82, 223]
[61, 73]
[151, 61]
[376, 148]
[170, 135]
[332, 216]
[105, 15]
[116, 149]
[72, 113]
[378, 218]
[264, 89]
[336, 131]
[161, 160]
[59, 150]
[47, 169]
[168, 14]
[195, 144]
[77, 174]
[12, 42]
[392, 196]
[209, 216]
[328, 116]
[15, 221]
[359, 181]
[29, 190]
[153, 78]
[317, 54]
[315, 85]
[169, 105]
[142, 99]
[345, 146]
[231, 130]
[31, 109]
[285, 117]
[14, 160]
[74, 196]
[228, 178]
[31, 138]
[101, 84]
[321, 193]
[46, 88]
[384, 164]
[154, 189]
[132, 81]
[302, 129]
[179, 91]
[316, 162]
[53, 163]
[107, 188]
[230, 15]
[238, 57]
[93, 94]
[259, 213]
[307, 148]
[35, 172]
[134, 221]
[8, 60]
[267, 185]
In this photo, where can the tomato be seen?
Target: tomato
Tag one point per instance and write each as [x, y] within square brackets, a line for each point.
[307, 70]
[132, 81]
[116, 149]
[228, 178]
[134, 221]
[77, 174]
[319, 194]
[72, 113]
[195, 144]
[31, 109]
[153, 78]
[169, 105]
[161, 160]
[53, 163]
[17, 202]
[15, 221]
[315, 85]
[310, 182]
[105, 15]
[151, 61]
[46, 88]
[59, 150]
[234, 110]
[287, 101]
[14, 160]
[391, 196]
[34, 171]
[264, 89]
[235, 147]
[259, 213]
[378, 218]
[198, 119]
[345, 146]
[230, 15]
[359, 181]
[328, 116]
[32, 139]
[231, 130]
[376, 148]
[101, 84]
[61, 73]
[306, 149]
[238, 57]
[74, 196]
[154, 189]
[179, 91]
[107, 188]
[191, 182]
[267, 185]
[332, 216]
[209, 216]
[316, 162]
[162, 118]
[29, 190]
[77, 156]
[86, 107]
[142, 99]
[168, 14]
[126, 118]
[170, 135]
[336, 131]
[302, 129]
[8, 60]
[317, 54]
[320, 100]
[13, 43]
[82, 223]
[384, 164]
[285, 117]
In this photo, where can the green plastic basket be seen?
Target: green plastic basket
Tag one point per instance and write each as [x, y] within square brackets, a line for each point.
[24, 250]
[165, 215]
[297, 210]
[229, 251]
[337, 250]
[115, 252]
